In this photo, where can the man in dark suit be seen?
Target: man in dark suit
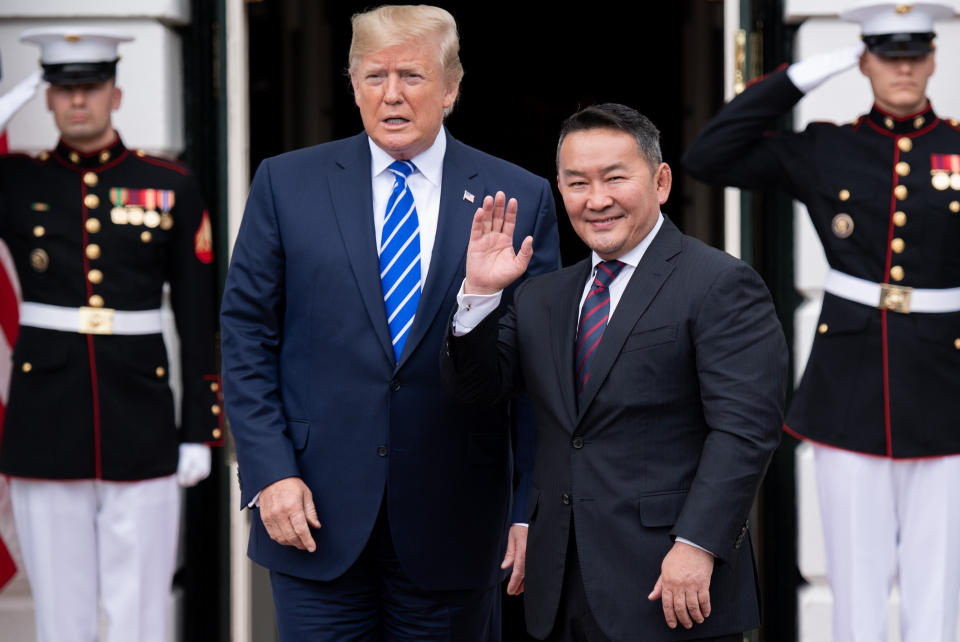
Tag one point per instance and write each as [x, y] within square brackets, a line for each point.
[657, 412]
[348, 260]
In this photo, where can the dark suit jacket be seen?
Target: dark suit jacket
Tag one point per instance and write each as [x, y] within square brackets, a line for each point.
[678, 421]
[312, 387]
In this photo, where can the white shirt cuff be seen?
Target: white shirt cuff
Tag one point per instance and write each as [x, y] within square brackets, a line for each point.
[472, 309]
[689, 543]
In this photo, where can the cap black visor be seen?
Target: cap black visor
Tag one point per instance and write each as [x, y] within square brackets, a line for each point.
[79, 73]
[900, 45]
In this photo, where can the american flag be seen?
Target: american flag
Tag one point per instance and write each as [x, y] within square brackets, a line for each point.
[9, 324]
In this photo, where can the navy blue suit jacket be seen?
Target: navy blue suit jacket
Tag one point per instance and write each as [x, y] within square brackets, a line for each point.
[311, 385]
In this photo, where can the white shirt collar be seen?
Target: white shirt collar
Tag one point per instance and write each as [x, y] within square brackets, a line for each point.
[429, 162]
[633, 256]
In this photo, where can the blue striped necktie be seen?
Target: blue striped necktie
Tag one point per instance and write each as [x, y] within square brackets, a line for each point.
[593, 320]
[400, 257]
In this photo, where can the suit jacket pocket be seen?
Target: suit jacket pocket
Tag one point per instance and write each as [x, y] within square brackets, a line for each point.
[648, 338]
[298, 431]
[661, 509]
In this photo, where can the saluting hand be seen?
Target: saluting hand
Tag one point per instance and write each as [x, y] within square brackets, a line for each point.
[492, 264]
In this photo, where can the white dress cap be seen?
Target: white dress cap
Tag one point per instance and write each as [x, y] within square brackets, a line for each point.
[890, 17]
[68, 44]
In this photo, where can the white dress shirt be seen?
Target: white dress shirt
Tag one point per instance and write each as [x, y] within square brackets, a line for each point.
[424, 186]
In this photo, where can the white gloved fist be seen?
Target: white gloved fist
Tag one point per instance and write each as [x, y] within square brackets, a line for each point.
[194, 464]
[13, 100]
[809, 73]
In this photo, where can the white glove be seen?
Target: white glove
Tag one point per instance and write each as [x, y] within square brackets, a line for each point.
[194, 464]
[13, 100]
[809, 73]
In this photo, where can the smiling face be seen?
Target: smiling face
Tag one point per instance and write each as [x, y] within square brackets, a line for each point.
[82, 113]
[899, 84]
[610, 191]
[402, 93]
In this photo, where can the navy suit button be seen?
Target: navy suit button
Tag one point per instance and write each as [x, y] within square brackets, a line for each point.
[565, 498]
[394, 385]
[382, 451]
[577, 442]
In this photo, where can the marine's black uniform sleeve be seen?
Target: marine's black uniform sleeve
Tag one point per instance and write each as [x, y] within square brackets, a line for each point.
[738, 148]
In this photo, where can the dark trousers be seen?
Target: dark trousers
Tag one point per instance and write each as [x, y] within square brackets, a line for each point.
[375, 601]
[575, 621]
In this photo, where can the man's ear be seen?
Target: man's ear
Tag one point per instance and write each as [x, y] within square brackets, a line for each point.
[116, 98]
[663, 180]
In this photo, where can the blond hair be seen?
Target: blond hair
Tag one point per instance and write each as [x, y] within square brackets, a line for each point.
[392, 25]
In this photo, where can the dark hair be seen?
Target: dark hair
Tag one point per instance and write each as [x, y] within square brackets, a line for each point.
[620, 118]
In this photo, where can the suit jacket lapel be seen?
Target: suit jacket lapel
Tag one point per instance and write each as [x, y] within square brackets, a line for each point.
[564, 315]
[647, 280]
[450, 246]
[352, 193]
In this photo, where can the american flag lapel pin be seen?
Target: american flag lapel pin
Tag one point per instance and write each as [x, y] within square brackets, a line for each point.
[467, 196]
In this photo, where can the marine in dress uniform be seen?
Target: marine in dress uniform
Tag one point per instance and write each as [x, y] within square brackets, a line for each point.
[880, 395]
[94, 234]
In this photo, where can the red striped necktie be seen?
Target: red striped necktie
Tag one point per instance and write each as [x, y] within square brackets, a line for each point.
[593, 320]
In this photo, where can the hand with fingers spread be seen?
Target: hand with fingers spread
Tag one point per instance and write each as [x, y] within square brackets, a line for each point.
[516, 558]
[684, 585]
[288, 513]
[492, 264]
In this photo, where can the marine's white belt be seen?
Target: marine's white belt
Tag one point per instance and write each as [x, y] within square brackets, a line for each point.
[87, 320]
[889, 296]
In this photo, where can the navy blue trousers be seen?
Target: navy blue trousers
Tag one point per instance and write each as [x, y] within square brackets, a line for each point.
[375, 601]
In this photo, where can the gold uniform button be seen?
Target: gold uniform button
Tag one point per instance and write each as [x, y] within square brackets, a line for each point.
[216, 433]
[918, 122]
[141, 153]
[905, 144]
[900, 191]
[91, 179]
[897, 245]
[92, 201]
[955, 206]
[92, 225]
[74, 157]
[95, 276]
[888, 122]
[899, 219]
[146, 236]
[104, 156]
[214, 386]
[215, 409]
[96, 301]
[44, 156]
[896, 273]
[93, 251]
[39, 231]
[27, 366]
[956, 343]
[954, 122]
[844, 194]
[902, 168]
[161, 371]
[822, 328]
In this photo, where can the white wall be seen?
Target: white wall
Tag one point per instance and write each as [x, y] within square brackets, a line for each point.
[841, 99]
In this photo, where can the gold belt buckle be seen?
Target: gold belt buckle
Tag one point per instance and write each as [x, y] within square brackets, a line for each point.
[895, 298]
[95, 320]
